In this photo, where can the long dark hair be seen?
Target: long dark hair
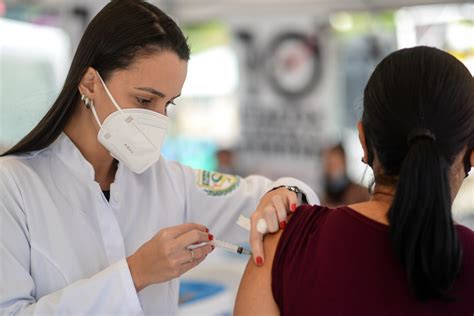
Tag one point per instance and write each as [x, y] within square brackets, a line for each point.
[418, 116]
[121, 31]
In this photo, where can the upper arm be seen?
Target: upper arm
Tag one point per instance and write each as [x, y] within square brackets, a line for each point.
[255, 296]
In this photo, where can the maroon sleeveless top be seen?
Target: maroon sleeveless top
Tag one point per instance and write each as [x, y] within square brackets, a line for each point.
[339, 262]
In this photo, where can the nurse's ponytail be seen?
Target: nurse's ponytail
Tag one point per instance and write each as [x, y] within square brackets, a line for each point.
[418, 118]
[121, 31]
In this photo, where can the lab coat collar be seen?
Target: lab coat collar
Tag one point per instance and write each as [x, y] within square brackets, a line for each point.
[70, 155]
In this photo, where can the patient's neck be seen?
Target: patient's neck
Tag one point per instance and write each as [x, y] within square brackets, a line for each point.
[377, 207]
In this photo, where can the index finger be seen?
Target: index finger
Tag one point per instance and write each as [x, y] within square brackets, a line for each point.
[193, 237]
[256, 242]
[293, 201]
[179, 230]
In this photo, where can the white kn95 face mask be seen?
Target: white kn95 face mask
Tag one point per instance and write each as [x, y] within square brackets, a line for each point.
[132, 136]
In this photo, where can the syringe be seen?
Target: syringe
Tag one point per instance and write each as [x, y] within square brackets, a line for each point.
[231, 247]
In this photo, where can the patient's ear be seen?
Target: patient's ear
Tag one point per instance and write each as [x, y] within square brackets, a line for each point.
[360, 127]
[472, 158]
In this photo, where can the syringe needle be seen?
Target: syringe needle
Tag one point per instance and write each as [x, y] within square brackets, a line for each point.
[231, 247]
[243, 251]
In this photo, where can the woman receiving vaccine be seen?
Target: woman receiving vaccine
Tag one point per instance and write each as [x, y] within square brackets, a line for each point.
[400, 253]
[93, 220]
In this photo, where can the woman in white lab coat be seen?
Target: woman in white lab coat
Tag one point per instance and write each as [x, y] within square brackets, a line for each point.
[93, 220]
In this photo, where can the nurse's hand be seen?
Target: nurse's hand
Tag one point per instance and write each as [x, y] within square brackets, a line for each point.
[273, 207]
[165, 256]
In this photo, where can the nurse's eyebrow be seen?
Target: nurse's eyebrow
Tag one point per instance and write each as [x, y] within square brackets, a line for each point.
[155, 92]
[151, 90]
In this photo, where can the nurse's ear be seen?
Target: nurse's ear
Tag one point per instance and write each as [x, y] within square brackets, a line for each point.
[360, 127]
[88, 83]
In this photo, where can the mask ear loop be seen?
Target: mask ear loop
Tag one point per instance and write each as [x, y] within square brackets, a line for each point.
[95, 113]
[109, 94]
[110, 97]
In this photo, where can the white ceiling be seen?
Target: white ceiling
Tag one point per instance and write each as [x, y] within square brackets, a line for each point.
[200, 9]
[188, 10]
[351, 4]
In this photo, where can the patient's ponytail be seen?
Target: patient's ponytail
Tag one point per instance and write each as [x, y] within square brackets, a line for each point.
[418, 118]
[421, 227]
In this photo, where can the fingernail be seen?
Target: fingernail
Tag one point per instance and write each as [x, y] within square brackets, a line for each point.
[210, 237]
[259, 261]
[207, 230]
[293, 207]
[282, 224]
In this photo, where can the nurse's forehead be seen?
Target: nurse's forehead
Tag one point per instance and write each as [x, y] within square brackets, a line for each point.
[161, 64]
[158, 57]
[162, 71]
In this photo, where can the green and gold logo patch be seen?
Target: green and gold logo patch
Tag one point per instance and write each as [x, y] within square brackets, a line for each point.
[216, 183]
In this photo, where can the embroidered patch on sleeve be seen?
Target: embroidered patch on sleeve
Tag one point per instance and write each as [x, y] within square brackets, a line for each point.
[217, 184]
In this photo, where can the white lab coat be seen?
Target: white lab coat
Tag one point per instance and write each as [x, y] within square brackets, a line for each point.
[63, 245]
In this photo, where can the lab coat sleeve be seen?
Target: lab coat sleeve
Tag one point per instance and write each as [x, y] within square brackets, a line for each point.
[109, 292]
[216, 200]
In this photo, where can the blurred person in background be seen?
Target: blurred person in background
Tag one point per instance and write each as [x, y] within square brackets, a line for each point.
[339, 189]
[225, 161]
[400, 253]
[93, 220]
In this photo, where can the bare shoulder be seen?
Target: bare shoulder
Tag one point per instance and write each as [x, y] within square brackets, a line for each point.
[255, 295]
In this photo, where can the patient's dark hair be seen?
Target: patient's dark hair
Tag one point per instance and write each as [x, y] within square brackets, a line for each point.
[121, 31]
[418, 116]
